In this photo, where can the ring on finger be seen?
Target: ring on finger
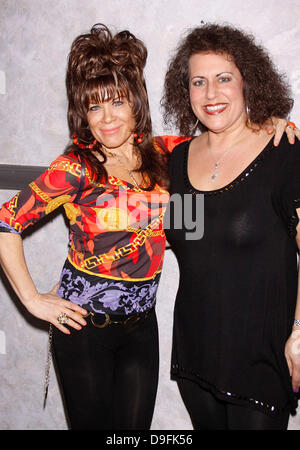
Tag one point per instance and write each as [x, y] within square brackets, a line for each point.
[291, 125]
[62, 318]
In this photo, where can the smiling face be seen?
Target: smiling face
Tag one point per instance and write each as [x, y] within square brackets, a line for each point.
[216, 91]
[112, 122]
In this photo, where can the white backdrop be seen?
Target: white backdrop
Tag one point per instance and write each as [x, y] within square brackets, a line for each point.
[35, 39]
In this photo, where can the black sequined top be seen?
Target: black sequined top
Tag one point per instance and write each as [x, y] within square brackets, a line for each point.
[238, 284]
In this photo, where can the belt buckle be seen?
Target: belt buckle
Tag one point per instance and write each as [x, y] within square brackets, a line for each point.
[103, 325]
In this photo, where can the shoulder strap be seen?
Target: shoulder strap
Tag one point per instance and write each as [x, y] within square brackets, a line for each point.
[81, 182]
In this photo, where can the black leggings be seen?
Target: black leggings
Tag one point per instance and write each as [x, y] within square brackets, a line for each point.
[109, 376]
[209, 413]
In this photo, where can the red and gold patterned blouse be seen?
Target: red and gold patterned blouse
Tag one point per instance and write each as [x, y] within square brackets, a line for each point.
[117, 240]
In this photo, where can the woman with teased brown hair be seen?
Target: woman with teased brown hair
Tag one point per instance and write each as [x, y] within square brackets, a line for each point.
[111, 184]
[237, 313]
[101, 68]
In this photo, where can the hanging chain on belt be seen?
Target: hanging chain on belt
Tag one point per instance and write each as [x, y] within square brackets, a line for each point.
[48, 363]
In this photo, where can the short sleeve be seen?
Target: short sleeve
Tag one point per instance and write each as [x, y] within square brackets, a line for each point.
[58, 185]
[290, 187]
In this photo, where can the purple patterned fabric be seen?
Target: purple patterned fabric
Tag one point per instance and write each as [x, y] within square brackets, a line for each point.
[104, 295]
[5, 228]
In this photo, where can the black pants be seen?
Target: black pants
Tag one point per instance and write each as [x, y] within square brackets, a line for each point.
[109, 376]
[209, 413]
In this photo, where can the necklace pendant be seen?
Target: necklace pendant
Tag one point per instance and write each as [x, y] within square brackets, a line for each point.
[215, 174]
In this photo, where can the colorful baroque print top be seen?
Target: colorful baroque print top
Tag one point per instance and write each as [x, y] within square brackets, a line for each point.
[117, 240]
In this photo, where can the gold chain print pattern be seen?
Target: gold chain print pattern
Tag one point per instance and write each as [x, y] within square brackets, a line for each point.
[138, 241]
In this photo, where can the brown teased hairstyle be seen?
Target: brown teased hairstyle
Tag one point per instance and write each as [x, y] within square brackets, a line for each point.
[266, 92]
[103, 67]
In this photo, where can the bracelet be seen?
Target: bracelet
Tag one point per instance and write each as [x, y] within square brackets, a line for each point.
[296, 323]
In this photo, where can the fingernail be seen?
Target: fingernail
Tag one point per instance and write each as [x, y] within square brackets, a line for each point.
[296, 390]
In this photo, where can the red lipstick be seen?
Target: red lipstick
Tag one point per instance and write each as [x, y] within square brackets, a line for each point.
[215, 109]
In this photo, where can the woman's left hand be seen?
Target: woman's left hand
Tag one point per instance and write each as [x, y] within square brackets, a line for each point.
[292, 354]
[280, 126]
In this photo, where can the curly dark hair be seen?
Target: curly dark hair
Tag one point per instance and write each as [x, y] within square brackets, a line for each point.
[102, 67]
[266, 91]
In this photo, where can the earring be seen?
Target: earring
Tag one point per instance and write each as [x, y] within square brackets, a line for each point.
[195, 126]
[138, 138]
[80, 145]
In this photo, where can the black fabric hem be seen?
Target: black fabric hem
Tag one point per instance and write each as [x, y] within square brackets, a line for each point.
[229, 397]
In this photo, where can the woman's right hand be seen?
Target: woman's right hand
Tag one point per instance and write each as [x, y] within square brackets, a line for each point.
[48, 307]
[43, 306]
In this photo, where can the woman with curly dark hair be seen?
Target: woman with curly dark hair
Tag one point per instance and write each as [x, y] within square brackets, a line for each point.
[237, 314]
[111, 183]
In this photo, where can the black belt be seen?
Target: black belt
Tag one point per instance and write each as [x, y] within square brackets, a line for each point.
[102, 320]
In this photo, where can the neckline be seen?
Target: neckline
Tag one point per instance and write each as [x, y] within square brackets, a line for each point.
[241, 177]
[118, 181]
[115, 181]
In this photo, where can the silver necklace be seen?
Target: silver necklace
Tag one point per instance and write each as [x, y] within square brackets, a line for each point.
[114, 155]
[217, 163]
